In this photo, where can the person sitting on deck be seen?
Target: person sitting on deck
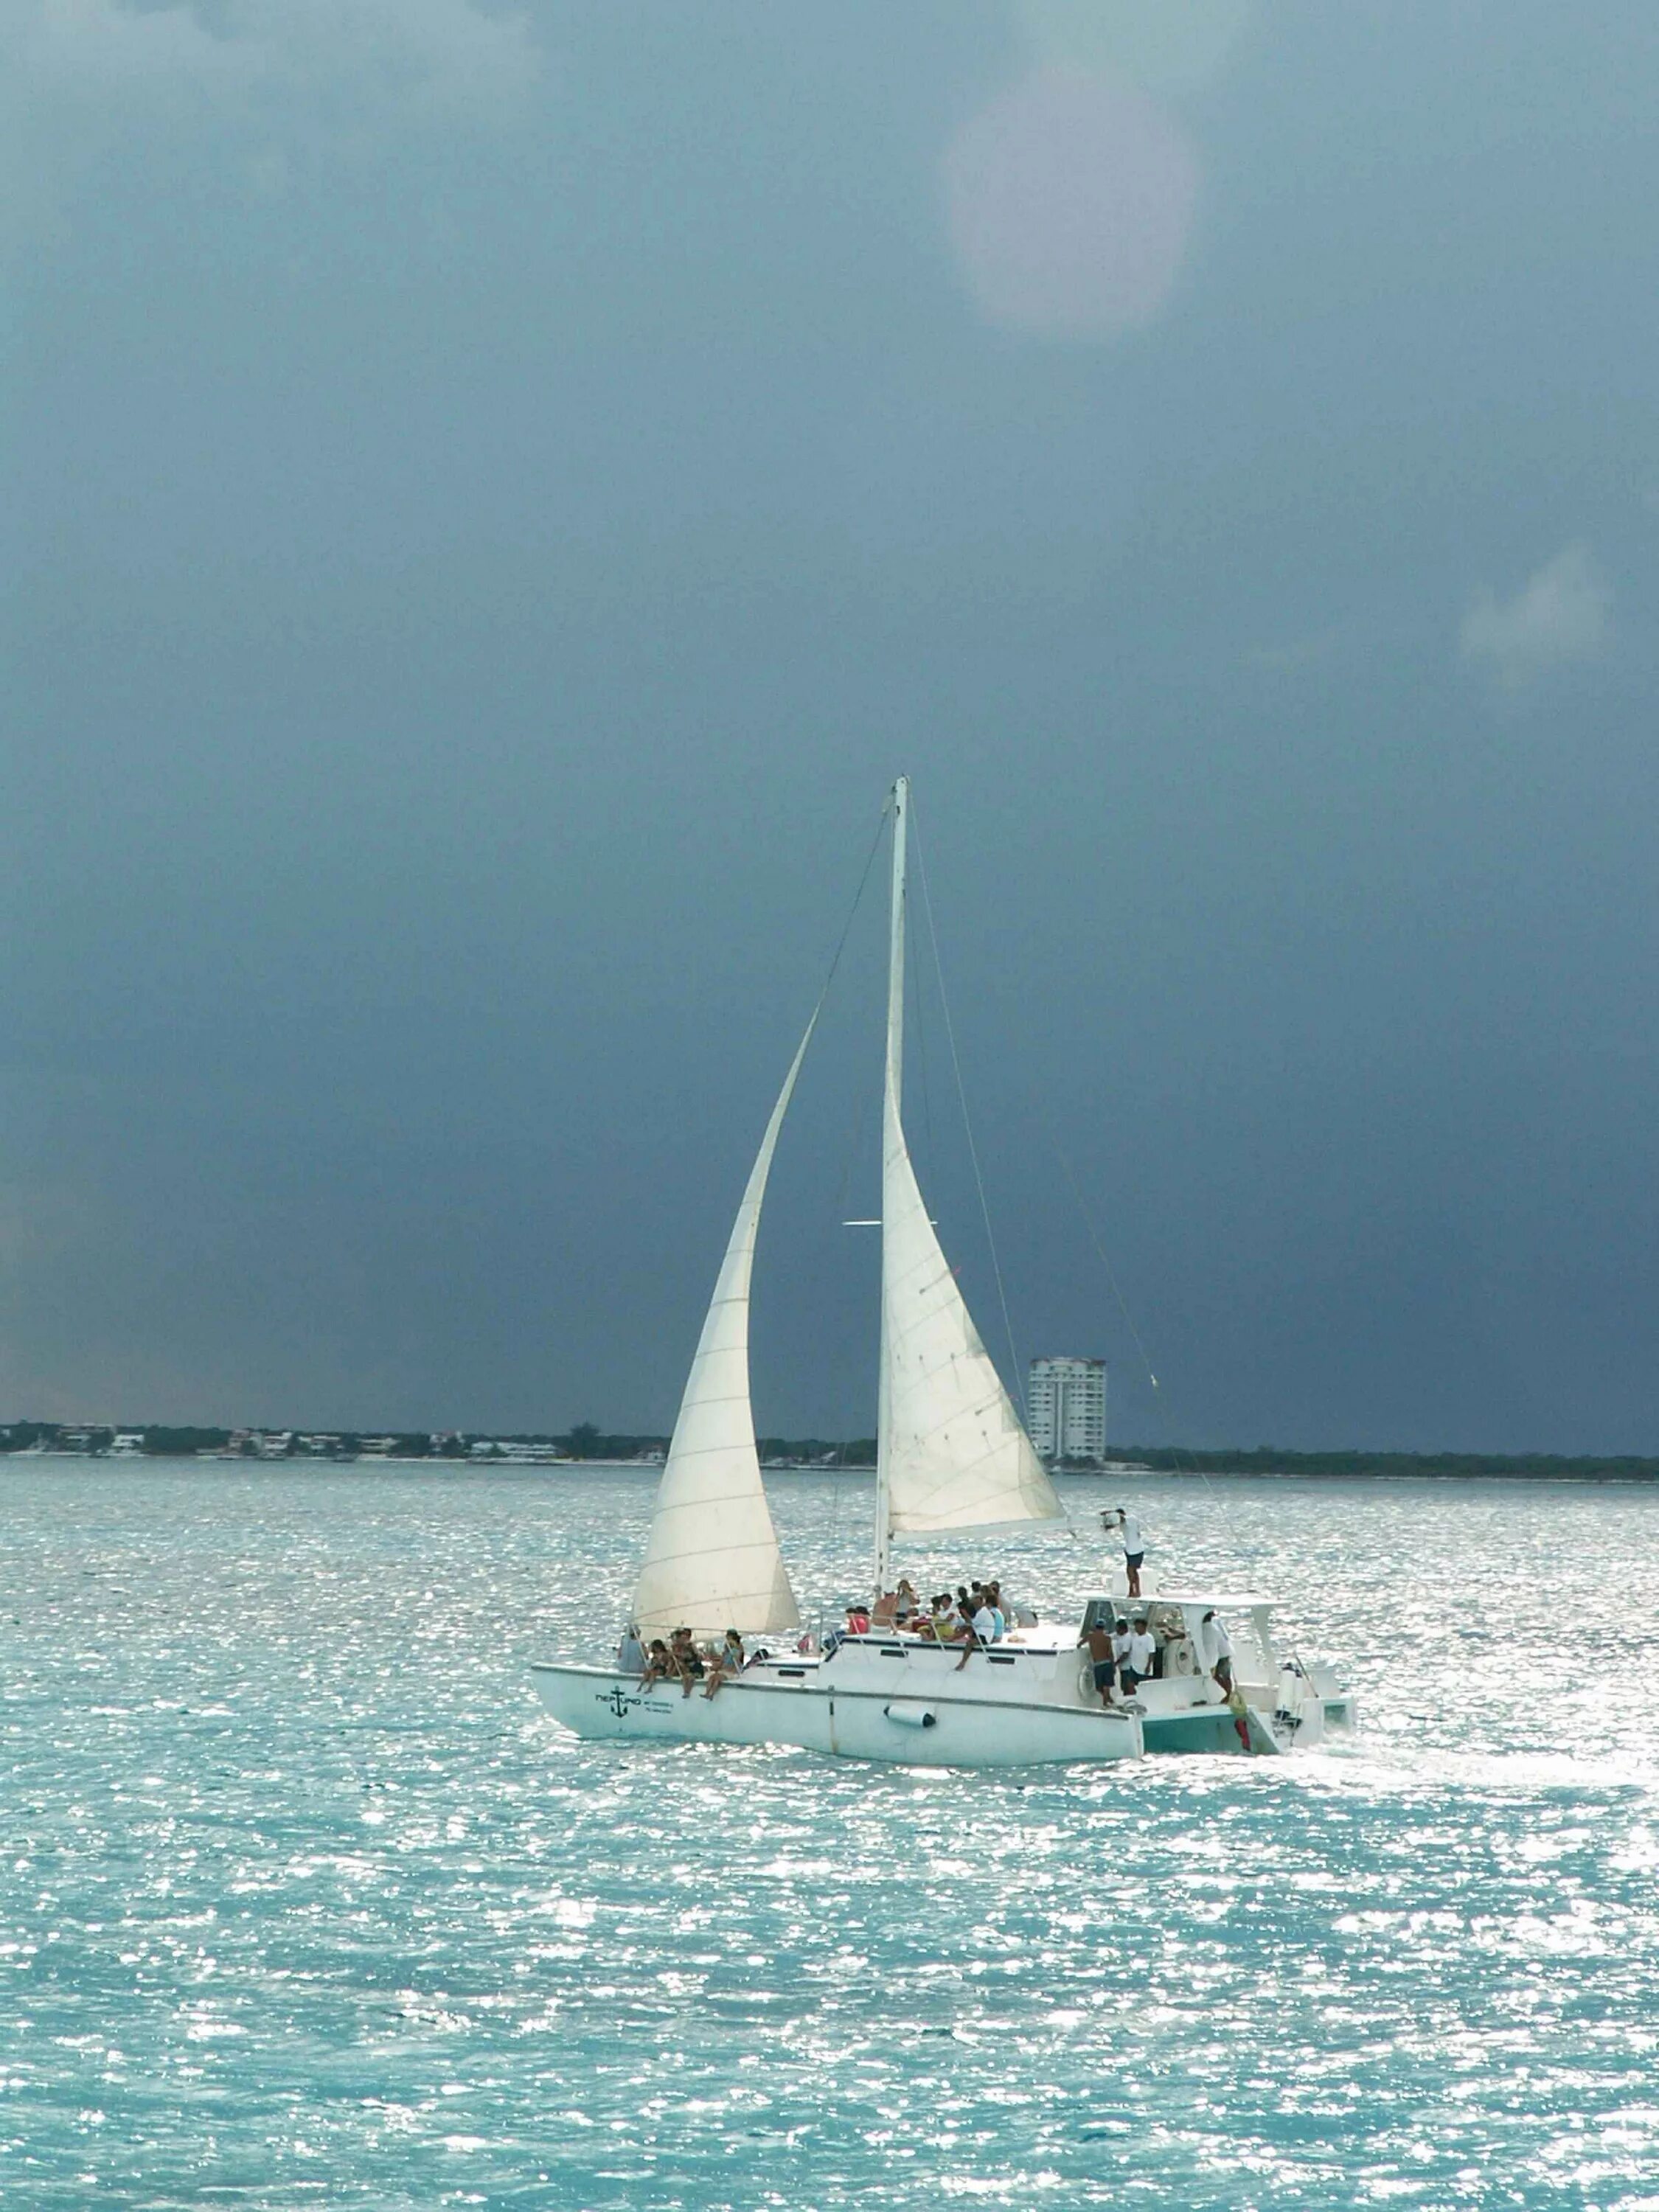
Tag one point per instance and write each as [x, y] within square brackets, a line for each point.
[885, 1612]
[731, 1659]
[944, 1626]
[993, 1598]
[688, 1660]
[1098, 1643]
[981, 1632]
[659, 1663]
[631, 1652]
[858, 1620]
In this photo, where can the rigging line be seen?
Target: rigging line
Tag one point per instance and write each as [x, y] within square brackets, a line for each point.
[1100, 1252]
[860, 1099]
[1180, 1450]
[854, 1130]
[921, 1044]
[857, 896]
[973, 1149]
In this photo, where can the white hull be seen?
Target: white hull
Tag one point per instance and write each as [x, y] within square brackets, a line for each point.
[862, 1705]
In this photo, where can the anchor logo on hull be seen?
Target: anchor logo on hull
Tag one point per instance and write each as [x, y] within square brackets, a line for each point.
[618, 1702]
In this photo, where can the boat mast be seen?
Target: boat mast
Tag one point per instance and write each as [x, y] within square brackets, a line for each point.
[894, 1099]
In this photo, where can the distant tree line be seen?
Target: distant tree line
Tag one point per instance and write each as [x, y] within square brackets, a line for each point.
[1382, 1466]
[587, 1442]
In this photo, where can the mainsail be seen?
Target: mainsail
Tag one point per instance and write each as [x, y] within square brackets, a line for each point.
[951, 1452]
[713, 1561]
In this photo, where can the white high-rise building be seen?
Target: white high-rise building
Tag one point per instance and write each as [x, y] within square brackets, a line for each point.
[1066, 1400]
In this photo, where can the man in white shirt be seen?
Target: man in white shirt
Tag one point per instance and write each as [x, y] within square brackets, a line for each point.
[1142, 1651]
[1218, 1653]
[982, 1631]
[1120, 1646]
[1133, 1543]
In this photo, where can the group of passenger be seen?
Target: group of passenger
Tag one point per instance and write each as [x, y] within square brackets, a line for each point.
[974, 1615]
[1124, 1653]
[677, 1659]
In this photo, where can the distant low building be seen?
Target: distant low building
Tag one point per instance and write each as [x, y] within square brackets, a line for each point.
[1067, 1401]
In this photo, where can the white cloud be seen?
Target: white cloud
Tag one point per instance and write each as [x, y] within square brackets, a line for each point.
[1561, 615]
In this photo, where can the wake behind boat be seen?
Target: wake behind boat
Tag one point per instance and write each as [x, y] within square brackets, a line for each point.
[951, 1455]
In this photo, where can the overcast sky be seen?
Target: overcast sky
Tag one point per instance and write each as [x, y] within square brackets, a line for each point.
[493, 494]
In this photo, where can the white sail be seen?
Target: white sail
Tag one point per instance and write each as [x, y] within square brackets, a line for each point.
[951, 1452]
[958, 1456]
[713, 1561]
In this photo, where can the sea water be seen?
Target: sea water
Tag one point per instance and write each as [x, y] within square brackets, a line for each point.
[302, 1901]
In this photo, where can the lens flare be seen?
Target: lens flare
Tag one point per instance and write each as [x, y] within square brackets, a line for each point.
[1069, 200]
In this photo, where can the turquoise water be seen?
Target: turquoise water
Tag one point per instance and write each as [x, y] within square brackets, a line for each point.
[302, 1902]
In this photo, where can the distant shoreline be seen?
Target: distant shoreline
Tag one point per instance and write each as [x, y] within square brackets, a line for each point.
[588, 1448]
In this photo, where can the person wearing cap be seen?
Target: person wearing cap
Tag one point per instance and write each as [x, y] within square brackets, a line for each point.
[1097, 1642]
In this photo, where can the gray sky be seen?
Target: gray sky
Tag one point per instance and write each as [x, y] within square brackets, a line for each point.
[492, 495]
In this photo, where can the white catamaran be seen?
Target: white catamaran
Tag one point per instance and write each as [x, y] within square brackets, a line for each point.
[952, 1453]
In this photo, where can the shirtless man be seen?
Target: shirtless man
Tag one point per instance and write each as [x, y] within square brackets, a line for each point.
[1098, 1643]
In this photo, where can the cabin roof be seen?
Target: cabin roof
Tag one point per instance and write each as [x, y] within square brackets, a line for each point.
[1229, 1602]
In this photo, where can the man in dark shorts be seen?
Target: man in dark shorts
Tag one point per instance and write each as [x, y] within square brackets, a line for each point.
[1098, 1642]
[1127, 1527]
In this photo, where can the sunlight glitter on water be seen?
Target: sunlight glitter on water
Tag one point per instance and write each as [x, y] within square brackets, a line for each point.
[305, 1902]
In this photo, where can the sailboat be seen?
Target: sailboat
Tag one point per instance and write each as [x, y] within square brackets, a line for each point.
[952, 1453]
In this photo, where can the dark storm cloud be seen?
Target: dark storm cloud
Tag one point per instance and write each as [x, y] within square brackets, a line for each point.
[494, 495]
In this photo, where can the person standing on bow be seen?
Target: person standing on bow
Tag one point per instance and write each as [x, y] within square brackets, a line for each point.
[1133, 1543]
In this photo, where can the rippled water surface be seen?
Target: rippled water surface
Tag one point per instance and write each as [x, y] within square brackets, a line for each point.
[302, 1902]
